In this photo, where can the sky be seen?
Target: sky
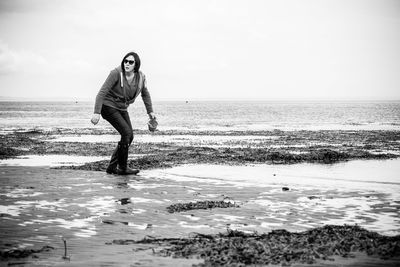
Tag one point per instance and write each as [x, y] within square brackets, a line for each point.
[204, 49]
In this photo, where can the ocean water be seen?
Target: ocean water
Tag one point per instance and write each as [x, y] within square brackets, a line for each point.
[212, 115]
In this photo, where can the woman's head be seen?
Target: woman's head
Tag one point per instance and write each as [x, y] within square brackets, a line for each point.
[130, 62]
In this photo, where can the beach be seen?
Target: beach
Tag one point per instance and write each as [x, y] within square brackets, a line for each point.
[200, 133]
[196, 186]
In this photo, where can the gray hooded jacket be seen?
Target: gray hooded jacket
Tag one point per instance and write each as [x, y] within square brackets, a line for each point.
[116, 92]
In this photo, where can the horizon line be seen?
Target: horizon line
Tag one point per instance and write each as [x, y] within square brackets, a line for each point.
[85, 99]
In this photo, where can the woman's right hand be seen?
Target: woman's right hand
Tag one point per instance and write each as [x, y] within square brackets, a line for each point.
[95, 118]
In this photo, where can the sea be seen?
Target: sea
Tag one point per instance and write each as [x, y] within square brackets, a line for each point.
[211, 115]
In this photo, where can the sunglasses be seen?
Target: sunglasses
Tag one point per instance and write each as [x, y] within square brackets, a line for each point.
[130, 62]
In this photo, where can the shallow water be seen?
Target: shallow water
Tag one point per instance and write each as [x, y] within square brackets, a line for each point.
[179, 139]
[351, 175]
[49, 160]
[216, 141]
[363, 192]
[91, 209]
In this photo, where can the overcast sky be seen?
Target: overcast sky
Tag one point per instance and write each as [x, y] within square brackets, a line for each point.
[203, 49]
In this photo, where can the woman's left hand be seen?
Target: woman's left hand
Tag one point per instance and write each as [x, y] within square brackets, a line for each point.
[152, 115]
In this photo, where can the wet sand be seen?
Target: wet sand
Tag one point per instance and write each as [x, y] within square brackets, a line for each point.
[91, 209]
[273, 179]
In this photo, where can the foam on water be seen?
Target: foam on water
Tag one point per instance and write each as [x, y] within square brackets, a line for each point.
[49, 160]
[144, 200]
[13, 210]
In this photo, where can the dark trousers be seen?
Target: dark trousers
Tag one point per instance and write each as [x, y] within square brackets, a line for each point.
[121, 122]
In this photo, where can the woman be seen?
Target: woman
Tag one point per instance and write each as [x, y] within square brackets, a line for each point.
[120, 89]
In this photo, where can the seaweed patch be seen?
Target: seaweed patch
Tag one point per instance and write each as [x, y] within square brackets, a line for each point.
[236, 248]
[200, 205]
[22, 253]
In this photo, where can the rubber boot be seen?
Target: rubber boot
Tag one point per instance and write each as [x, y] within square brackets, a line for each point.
[112, 166]
[123, 168]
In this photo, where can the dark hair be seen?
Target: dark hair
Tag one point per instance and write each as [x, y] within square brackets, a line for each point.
[137, 62]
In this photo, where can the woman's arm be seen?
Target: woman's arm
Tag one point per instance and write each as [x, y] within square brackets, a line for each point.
[108, 84]
[147, 99]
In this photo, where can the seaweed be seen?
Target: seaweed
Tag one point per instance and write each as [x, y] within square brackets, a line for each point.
[22, 253]
[8, 152]
[208, 204]
[287, 147]
[236, 248]
[197, 155]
